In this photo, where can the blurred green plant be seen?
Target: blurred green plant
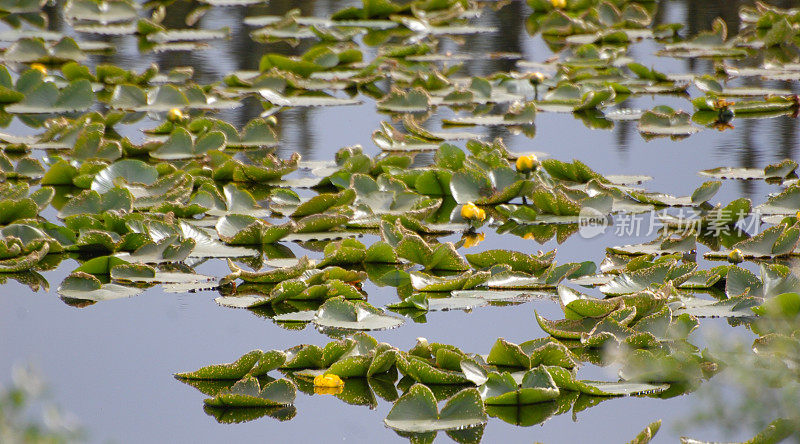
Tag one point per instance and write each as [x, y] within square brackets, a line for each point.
[28, 416]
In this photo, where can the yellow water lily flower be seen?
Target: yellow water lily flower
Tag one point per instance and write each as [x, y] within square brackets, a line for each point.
[536, 77]
[735, 256]
[470, 211]
[471, 240]
[559, 4]
[39, 67]
[722, 103]
[526, 164]
[328, 381]
[175, 115]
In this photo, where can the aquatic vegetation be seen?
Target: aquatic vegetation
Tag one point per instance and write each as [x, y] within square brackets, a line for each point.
[141, 176]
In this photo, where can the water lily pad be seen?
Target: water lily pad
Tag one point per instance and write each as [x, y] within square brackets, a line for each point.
[104, 12]
[415, 100]
[86, 287]
[565, 380]
[530, 354]
[181, 145]
[47, 98]
[517, 260]
[305, 100]
[343, 314]
[664, 121]
[249, 393]
[734, 307]
[234, 371]
[775, 171]
[239, 229]
[502, 389]
[92, 202]
[416, 411]
[122, 173]
[30, 50]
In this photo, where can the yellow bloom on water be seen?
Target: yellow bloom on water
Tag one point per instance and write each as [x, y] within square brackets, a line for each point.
[471, 240]
[559, 4]
[328, 381]
[39, 67]
[526, 164]
[722, 103]
[735, 256]
[175, 115]
[470, 211]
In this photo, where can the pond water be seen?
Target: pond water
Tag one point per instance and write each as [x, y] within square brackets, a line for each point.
[111, 364]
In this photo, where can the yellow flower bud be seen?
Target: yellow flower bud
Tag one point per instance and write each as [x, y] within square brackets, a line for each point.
[735, 256]
[39, 67]
[722, 103]
[471, 212]
[559, 4]
[537, 78]
[526, 164]
[328, 381]
[175, 115]
[471, 240]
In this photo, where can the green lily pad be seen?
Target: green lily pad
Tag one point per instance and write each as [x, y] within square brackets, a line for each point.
[86, 287]
[47, 98]
[502, 389]
[416, 411]
[342, 314]
[249, 393]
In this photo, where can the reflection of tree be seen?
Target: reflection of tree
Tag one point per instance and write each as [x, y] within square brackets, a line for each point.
[787, 129]
[510, 23]
[245, 54]
[53, 10]
[748, 153]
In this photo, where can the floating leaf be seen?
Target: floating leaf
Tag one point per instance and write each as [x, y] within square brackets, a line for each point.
[416, 411]
[85, 287]
[249, 393]
[47, 99]
[340, 313]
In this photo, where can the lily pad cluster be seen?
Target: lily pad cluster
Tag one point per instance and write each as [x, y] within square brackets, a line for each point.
[537, 377]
